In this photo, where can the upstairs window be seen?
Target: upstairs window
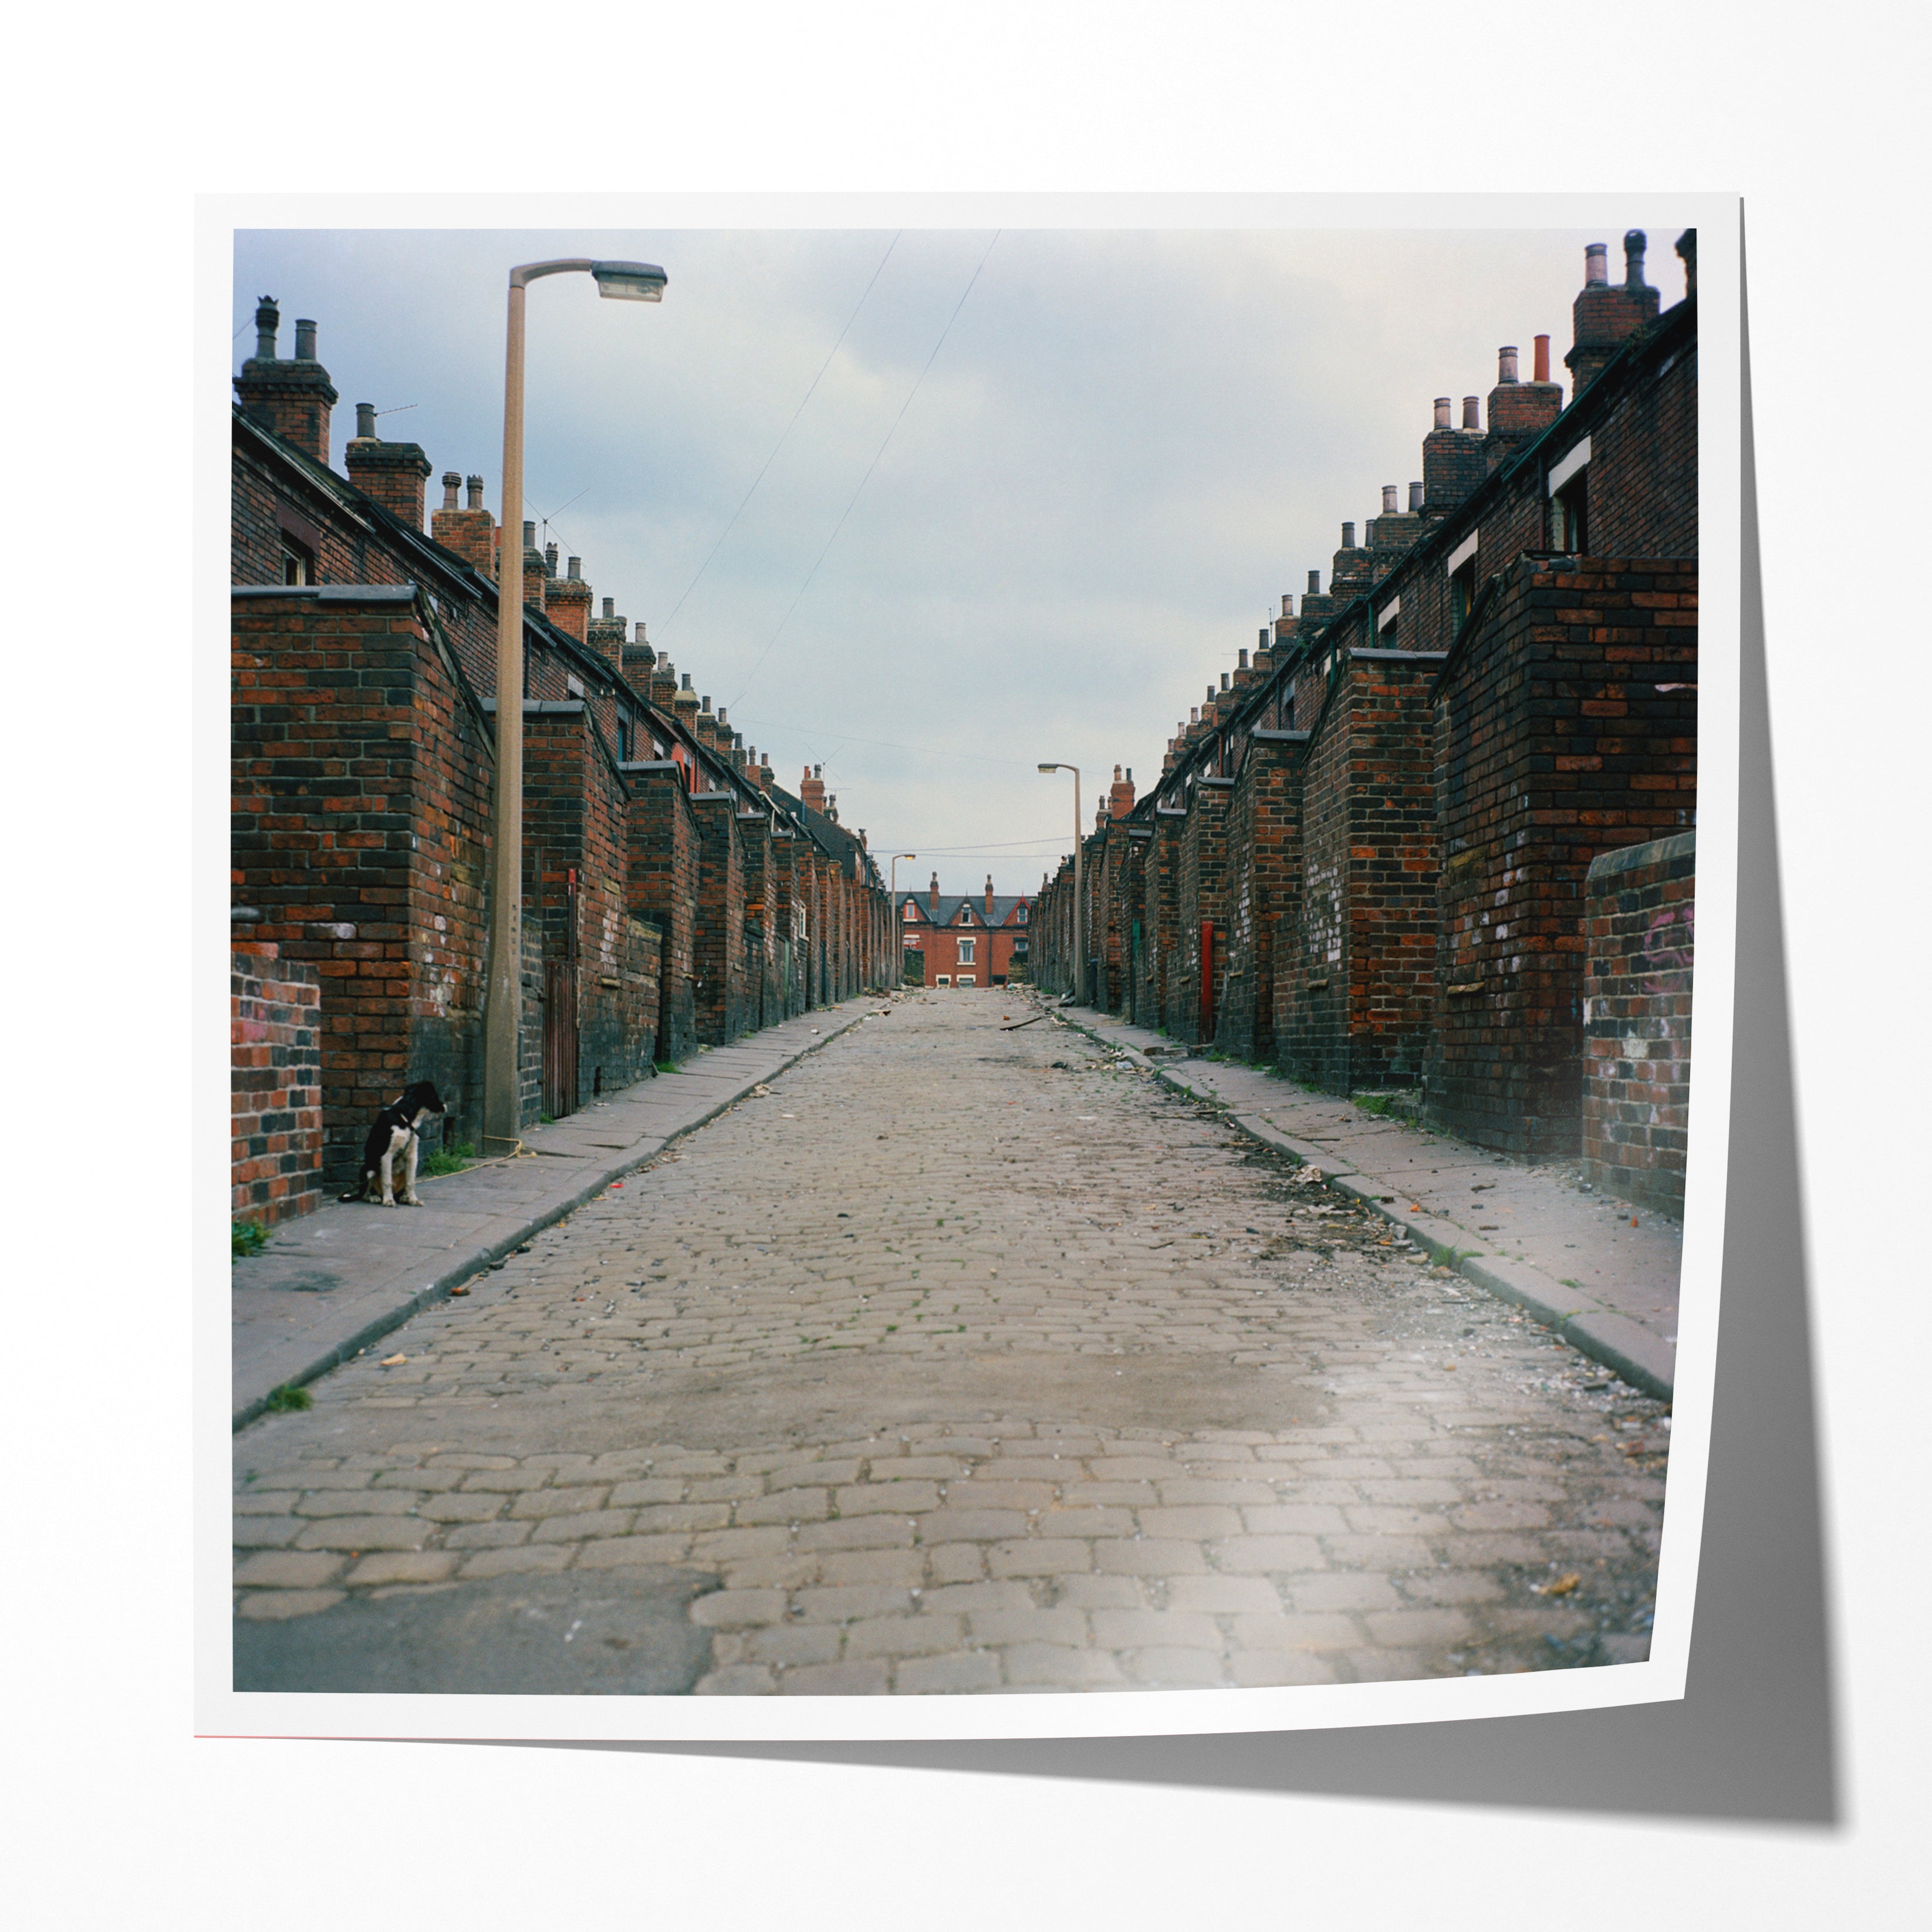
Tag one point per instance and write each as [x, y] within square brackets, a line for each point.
[1023, 913]
[966, 951]
[1570, 500]
[298, 565]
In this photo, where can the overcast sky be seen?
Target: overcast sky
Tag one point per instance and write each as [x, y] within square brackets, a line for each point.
[1126, 447]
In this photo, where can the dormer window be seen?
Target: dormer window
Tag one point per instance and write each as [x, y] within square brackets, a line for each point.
[965, 915]
[1022, 915]
[912, 908]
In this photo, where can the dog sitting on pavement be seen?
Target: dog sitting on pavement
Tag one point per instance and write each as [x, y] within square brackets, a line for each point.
[398, 1130]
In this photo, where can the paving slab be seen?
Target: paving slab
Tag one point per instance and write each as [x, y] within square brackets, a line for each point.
[327, 1286]
[1602, 1271]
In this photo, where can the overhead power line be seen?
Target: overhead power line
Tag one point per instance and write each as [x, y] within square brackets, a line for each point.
[787, 431]
[870, 467]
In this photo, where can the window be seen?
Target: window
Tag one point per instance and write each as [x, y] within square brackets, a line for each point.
[1569, 515]
[1023, 913]
[944, 980]
[1462, 595]
[967, 979]
[298, 565]
[623, 741]
[965, 915]
[1385, 624]
[912, 909]
[1570, 500]
[966, 951]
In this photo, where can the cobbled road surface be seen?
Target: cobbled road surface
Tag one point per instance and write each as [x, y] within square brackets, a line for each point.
[973, 1359]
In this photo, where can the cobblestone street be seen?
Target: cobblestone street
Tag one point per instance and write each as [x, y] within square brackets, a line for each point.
[968, 1359]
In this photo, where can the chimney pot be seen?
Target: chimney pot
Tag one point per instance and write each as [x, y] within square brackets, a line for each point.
[529, 534]
[549, 558]
[640, 631]
[686, 685]
[1348, 536]
[267, 320]
[1506, 365]
[1314, 586]
[365, 419]
[474, 486]
[609, 608]
[1635, 243]
[1194, 714]
[1130, 775]
[1389, 504]
[721, 715]
[1264, 636]
[1287, 604]
[305, 334]
[1542, 363]
[1414, 498]
[1442, 412]
[1472, 412]
[576, 568]
[1244, 663]
[451, 483]
[1687, 250]
[1596, 265]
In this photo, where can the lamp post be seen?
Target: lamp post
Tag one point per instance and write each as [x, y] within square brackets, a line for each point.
[899, 924]
[624, 281]
[1079, 904]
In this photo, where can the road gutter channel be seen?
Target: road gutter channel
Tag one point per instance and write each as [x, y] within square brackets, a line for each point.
[640, 1154]
[1642, 1359]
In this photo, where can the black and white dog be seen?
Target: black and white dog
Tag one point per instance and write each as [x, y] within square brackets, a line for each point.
[398, 1130]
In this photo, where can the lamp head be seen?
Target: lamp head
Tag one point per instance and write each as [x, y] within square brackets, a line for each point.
[630, 281]
[1049, 768]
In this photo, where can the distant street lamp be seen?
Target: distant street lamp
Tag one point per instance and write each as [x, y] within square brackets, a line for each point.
[1079, 907]
[899, 924]
[502, 1012]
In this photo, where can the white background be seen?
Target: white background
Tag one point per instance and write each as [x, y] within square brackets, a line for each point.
[118, 1816]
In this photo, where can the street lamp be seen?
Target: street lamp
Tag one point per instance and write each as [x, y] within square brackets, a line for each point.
[622, 281]
[899, 924]
[1079, 907]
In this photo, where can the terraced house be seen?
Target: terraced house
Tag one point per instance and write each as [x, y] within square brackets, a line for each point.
[673, 896]
[1419, 838]
[966, 941]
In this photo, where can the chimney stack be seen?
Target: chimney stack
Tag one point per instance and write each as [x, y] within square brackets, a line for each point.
[811, 788]
[393, 473]
[605, 635]
[567, 599]
[664, 683]
[291, 400]
[684, 706]
[932, 895]
[535, 572]
[638, 659]
[1687, 250]
[1604, 317]
[989, 898]
[472, 532]
[1518, 410]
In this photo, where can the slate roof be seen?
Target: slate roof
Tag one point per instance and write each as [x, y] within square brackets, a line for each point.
[947, 912]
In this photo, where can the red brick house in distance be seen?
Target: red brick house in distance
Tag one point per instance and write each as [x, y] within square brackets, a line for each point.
[965, 941]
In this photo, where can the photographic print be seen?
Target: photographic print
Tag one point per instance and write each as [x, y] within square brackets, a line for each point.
[1043, 1082]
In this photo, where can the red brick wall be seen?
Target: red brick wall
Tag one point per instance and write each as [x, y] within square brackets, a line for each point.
[360, 782]
[720, 942]
[1265, 890]
[1639, 912]
[275, 1086]
[1200, 893]
[661, 859]
[1566, 726]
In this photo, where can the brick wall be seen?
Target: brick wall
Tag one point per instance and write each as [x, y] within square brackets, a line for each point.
[661, 883]
[361, 763]
[720, 990]
[1265, 890]
[1200, 886]
[274, 1010]
[1640, 911]
[1566, 726]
